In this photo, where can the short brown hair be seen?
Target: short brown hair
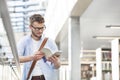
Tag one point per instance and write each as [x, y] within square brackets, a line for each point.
[36, 18]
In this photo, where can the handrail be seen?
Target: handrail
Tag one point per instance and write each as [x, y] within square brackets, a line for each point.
[8, 27]
[11, 66]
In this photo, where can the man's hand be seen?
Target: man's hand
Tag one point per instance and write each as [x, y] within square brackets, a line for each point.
[55, 60]
[38, 55]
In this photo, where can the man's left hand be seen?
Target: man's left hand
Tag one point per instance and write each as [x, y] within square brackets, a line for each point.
[55, 60]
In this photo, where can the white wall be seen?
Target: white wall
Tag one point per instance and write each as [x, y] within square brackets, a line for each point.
[57, 13]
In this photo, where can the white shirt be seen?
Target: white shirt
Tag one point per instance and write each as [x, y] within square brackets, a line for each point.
[36, 71]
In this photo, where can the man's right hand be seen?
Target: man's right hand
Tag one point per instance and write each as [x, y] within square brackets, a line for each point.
[38, 55]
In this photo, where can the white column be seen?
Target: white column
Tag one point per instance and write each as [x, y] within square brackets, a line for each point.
[115, 59]
[74, 48]
[99, 64]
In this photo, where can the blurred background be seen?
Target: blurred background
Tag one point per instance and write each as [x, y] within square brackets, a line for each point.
[87, 32]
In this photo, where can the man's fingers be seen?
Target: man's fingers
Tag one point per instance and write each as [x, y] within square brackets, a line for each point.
[52, 59]
[39, 53]
[38, 56]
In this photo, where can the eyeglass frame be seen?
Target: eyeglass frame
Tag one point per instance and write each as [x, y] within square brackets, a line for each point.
[37, 28]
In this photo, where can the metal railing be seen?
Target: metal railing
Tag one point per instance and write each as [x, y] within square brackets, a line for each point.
[8, 27]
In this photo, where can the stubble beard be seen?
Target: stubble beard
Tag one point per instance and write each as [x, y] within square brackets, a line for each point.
[36, 36]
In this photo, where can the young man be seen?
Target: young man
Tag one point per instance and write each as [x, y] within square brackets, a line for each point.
[28, 51]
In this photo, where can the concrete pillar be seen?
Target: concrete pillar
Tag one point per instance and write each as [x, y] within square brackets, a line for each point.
[74, 48]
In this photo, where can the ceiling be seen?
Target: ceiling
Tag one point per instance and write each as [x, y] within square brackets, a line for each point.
[93, 21]
[20, 13]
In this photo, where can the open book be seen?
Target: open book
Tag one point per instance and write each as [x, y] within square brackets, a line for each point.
[49, 53]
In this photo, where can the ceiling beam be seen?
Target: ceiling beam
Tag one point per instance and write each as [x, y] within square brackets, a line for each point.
[80, 7]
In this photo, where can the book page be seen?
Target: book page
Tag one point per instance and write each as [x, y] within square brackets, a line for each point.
[49, 53]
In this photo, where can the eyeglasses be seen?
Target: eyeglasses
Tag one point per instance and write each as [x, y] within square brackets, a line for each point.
[37, 28]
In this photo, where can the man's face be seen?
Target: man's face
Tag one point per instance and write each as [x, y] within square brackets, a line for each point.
[37, 29]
